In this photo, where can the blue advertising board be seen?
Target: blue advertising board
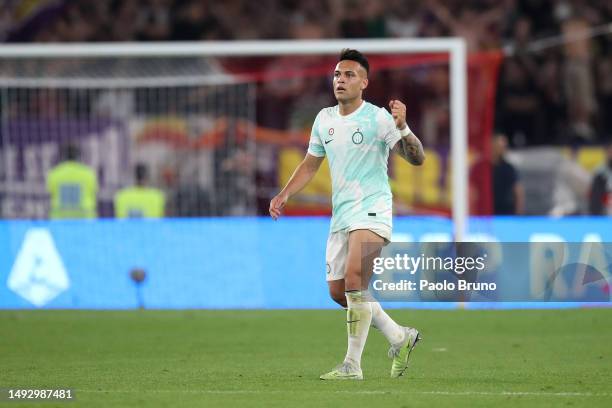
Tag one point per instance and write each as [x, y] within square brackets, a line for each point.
[214, 262]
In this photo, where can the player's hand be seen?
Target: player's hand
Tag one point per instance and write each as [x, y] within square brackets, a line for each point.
[398, 111]
[277, 204]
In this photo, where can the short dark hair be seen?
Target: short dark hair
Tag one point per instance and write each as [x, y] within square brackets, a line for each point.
[141, 173]
[354, 55]
[69, 151]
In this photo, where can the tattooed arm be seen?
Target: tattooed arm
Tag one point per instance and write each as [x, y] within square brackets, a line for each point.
[411, 149]
[409, 146]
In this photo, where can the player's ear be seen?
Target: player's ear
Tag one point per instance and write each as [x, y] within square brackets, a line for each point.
[364, 83]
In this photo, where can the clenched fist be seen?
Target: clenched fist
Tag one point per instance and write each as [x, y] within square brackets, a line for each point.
[398, 111]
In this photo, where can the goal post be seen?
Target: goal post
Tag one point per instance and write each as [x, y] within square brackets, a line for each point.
[454, 47]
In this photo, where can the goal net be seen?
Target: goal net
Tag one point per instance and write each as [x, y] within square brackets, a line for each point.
[222, 125]
[187, 121]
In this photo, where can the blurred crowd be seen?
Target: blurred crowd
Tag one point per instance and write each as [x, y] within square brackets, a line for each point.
[549, 91]
[554, 85]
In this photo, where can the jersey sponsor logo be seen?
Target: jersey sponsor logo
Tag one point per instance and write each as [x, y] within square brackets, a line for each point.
[330, 131]
[357, 137]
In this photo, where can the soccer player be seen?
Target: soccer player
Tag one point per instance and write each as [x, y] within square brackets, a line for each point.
[356, 137]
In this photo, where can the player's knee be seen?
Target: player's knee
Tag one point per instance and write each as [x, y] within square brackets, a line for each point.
[353, 270]
[353, 280]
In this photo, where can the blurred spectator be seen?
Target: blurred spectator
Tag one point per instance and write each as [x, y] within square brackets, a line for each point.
[404, 18]
[78, 23]
[72, 186]
[194, 21]
[154, 20]
[376, 23]
[552, 120]
[124, 24]
[140, 201]
[600, 202]
[307, 29]
[115, 104]
[578, 80]
[542, 13]
[353, 20]
[570, 187]
[508, 196]
[237, 24]
[544, 97]
[518, 104]
[6, 18]
[604, 90]
[435, 117]
[468, 22]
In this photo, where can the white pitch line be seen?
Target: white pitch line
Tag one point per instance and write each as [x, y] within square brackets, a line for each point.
[518, 393]
[447, 393]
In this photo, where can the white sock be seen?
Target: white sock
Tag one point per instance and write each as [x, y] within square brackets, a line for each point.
[358, 319]
[381, 320]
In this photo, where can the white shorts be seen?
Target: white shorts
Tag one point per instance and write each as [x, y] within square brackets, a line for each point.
[337, 249]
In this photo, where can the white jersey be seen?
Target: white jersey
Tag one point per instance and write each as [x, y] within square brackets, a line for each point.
[357, 148]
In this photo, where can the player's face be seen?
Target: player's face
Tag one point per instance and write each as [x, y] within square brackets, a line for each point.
[350, 79]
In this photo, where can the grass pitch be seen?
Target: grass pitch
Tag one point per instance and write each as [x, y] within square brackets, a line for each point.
[274, 358]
